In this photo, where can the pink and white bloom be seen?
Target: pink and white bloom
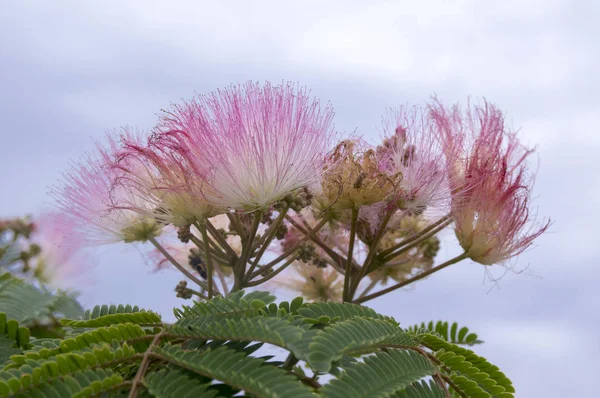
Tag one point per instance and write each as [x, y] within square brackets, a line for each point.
[492, 216]
[99, 206]
[414, 159]
[253, 144]
[156, 171]
[59, 263]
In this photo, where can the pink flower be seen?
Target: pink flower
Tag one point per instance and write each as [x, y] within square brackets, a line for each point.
[59, 264]
[156, 171]
[492, 216]
[99, 206]
[413, 158]
[253, 145]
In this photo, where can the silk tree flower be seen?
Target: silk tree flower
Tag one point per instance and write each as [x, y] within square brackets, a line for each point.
[411, 154]
[252, 144]
[492, 217]
[353, 178]
[59, 263]
[156, 171]
[99, 206]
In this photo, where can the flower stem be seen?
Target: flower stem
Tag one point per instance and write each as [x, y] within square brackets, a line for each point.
[176, 264]
[445, 221]
[222, 241]
[290, 251]
[209, 263]
[239, 271]
[346, 295]
[269, 236]
[272, 274]
[371, 255]
[413, 279]
[416, 240]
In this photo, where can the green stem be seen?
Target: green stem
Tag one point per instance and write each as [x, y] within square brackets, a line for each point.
[218, 255]
[408, 244]
[272, 274]
[240, 268]
[176, 264]
[339, 259]
[222, 241]
[446, 220]
[290, 251]
[209, 264]
[413, 279]
[234, 219]
[368, 288]
[269, 236]
[371, 255]
[346, 295]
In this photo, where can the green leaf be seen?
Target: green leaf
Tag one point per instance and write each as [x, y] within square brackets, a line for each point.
[353, 335]
[422, 390]
[447, 332]
[168, 383]
[277, 331]
[470, 372]
[141, 317]
[236, 303]
[26, 303]
[234, 368]
[339, 312]
[380, 375]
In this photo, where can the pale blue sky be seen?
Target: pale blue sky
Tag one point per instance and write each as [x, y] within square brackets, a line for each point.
[72, 71]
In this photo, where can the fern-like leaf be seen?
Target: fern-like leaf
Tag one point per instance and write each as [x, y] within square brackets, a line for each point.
[277, 331]
[13, 338]
[380, 375]
[234, 368]
[450, 333]
[470, 372]
[50, 348]
[34, 372]
[26, 303]
[80, 384]
[328, 312]
[140, 317]
[354, 335]
[423, 389]
[175, 384]
[236, 303]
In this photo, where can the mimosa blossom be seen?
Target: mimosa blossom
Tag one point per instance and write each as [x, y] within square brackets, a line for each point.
[492, 217]
[99, 207]
[59, 263]
[252, 145]
[412, 156]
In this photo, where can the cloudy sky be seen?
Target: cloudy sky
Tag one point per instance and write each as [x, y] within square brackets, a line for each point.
[72, 71]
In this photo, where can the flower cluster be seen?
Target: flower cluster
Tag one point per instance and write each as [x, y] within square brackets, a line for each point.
[251, 181]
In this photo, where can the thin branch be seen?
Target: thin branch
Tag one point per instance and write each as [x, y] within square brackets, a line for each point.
[144, 366]
[209, 264]
[176, 264]
[290, 251]
[446, 220]
[413, 279]
[272, 274]
[240, 268]
[346, 295]
[220, 239]
[415, 242]
[269, 236]
[371, 255]
[338, 258]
